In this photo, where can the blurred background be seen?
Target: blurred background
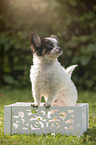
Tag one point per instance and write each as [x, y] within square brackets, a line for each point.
[74, 23]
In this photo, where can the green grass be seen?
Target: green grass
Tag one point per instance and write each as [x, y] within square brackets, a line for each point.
[8, 96]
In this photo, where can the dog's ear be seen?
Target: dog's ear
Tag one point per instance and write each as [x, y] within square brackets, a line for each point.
[34, 40]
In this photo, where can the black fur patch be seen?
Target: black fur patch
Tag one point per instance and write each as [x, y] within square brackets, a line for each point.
[45, 47]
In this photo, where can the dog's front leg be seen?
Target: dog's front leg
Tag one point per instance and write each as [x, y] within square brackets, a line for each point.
[36, 96]
[52, 96]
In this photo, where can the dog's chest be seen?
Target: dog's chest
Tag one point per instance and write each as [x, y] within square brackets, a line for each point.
[46, 77]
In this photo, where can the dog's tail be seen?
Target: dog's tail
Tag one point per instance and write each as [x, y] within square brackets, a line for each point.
[70, 69]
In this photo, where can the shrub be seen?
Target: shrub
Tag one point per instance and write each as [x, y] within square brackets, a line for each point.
[74, 23]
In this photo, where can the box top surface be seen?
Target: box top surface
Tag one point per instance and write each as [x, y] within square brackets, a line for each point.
[42, 104]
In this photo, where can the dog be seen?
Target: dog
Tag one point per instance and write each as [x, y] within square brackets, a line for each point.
[48, 77]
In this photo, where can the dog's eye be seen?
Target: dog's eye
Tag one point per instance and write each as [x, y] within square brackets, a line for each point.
[49, 45]
[46, 46]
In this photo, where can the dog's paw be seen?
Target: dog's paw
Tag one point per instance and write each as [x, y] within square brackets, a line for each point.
[34, 105]
[47, 105]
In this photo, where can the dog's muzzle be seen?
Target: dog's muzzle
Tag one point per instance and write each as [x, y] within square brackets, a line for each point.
[58, 50]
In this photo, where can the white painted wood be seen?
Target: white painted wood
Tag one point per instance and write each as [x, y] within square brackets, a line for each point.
[7, 119]
[87, 115]
[24, 119]
[84, 119]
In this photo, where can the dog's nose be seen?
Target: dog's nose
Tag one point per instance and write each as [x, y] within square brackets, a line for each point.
[59, 48]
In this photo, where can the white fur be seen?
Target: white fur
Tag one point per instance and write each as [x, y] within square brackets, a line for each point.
[70, 69]
[51, 80]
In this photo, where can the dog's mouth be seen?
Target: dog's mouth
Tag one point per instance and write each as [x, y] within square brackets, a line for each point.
[59, 53]
[55, 53]
[57, 50]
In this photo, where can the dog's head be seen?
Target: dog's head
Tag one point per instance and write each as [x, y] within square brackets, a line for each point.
[47, 46]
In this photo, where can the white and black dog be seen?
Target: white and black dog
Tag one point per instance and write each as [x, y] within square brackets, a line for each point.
[48, 77]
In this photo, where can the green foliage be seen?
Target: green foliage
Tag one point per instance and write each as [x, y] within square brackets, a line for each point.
[10, 96]
[74, 23]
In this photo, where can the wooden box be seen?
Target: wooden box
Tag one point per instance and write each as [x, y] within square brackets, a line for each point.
[21, 118]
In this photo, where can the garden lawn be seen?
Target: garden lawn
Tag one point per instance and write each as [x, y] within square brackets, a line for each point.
[9, 96]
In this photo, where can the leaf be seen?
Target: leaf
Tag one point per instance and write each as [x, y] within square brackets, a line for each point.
[84, 59]
[7, 46]
[91, 48]
[3, 40]
[76, 59]
[73, 2]
[94, 7]
[19, 67]
[9, 79]
[83, 38]
[72, 43]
